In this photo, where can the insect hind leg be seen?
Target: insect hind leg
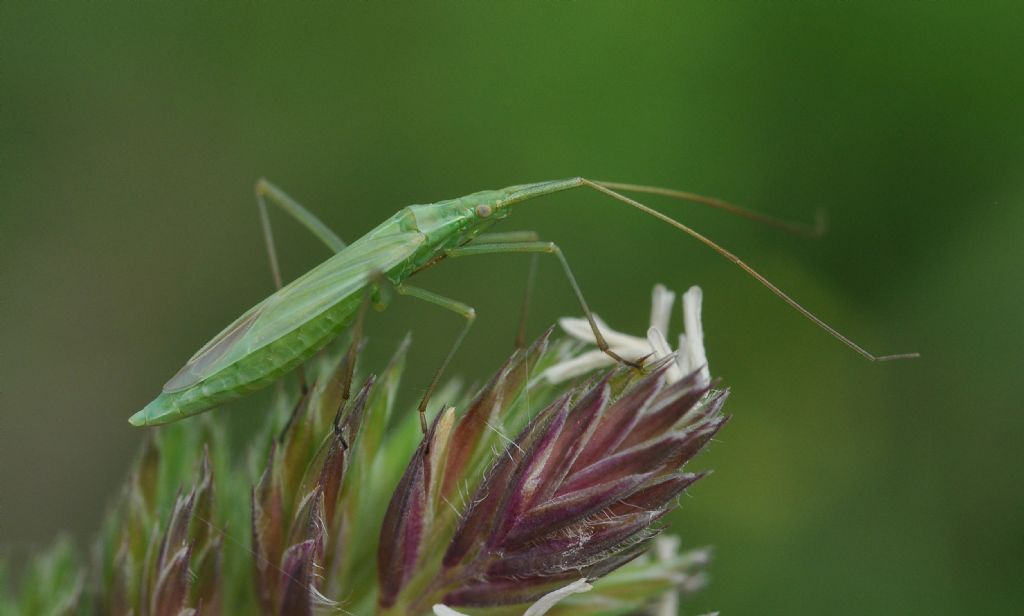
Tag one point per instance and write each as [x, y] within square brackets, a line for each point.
[267, 192]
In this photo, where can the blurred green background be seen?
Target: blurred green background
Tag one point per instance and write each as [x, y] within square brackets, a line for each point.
[133, 134]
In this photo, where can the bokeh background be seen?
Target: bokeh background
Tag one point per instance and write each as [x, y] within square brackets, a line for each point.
[133, 134]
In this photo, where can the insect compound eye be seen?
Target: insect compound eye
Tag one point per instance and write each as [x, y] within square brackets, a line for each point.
[483, 210]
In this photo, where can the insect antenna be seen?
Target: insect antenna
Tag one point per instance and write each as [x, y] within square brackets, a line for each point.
[796, 228]
[607, 188]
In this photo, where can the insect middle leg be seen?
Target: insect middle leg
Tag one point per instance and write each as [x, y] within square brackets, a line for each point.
[372, 292]
[464, 310]
[547, 248]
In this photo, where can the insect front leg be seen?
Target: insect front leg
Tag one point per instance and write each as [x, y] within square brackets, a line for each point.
[506, 237]
[553, 249]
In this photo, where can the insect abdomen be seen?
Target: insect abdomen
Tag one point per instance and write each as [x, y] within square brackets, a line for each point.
[254, 371]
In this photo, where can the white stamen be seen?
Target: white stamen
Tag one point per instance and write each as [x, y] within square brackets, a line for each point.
[666, 547]
[663, 350]
[539, 608]
[661, 307]
[549, 600]
[577, 366]
[580, 328]
[683, 356]
[689, 356]
[577, 328]
[695, 333]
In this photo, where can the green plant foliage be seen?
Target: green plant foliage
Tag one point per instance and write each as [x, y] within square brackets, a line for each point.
[340, 505]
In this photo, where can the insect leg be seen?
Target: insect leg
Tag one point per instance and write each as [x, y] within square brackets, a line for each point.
[524, 311]
[464, 310]
[357, 336]
[265, 191]
[505, 237]
[349, 366]
[546, 248]
[298, 409]
[531, 275]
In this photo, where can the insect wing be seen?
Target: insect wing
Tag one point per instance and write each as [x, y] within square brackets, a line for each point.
[302, 300]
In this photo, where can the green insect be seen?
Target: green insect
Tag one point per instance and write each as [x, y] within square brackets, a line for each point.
[287, 328]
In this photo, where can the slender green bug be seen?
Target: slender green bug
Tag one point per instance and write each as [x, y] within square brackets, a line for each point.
[287, 328]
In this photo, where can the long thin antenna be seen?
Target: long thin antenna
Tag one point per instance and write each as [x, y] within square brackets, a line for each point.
[797, 228]
[606, 188]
